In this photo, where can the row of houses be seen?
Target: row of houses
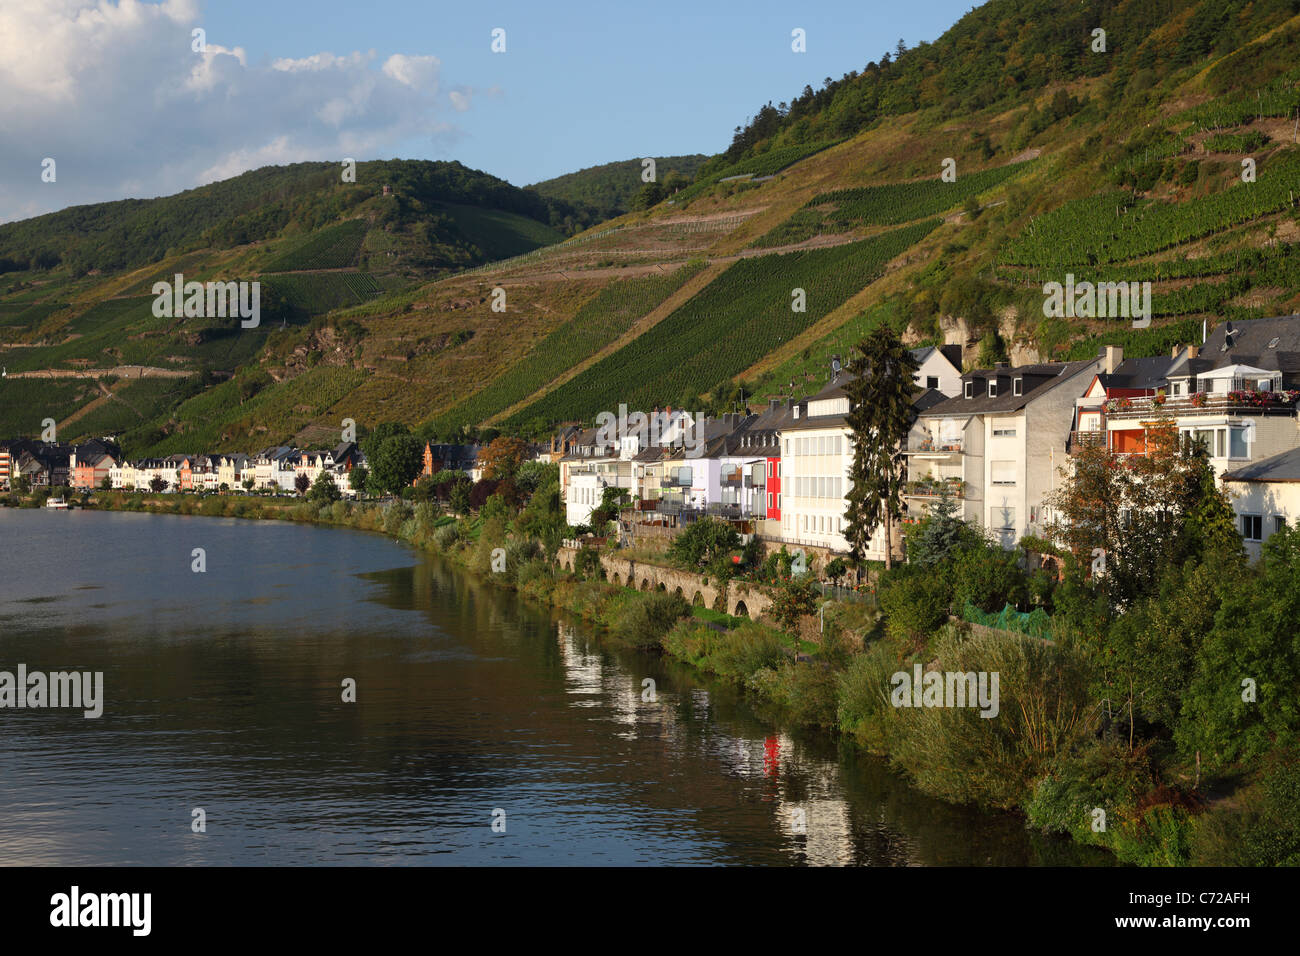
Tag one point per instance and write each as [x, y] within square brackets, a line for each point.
[997, 440]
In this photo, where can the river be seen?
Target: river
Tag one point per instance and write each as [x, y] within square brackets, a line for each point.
[484, 730]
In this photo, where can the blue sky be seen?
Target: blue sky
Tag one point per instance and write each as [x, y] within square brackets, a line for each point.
[112, 90]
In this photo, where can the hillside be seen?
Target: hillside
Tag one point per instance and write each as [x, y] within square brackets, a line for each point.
[1124, 165]
[603, 192]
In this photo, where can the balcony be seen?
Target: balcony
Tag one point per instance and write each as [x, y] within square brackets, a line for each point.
[935, 488]
[1203, 403]
[935, 448]
[1085, 439]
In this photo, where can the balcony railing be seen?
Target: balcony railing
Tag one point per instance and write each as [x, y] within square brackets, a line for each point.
[951, 446]
[1086, 439]
[1203, 403]
[955, 487]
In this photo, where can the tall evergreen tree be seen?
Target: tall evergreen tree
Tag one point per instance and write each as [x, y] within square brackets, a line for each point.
[880, 415]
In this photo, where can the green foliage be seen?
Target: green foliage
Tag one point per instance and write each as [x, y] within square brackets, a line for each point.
[768, 163]
[914, 603]
[1263, 829]
[880, 394]
[395, 459]
[988, 577]
[603, 192]
[647, 618]
[323, 490]
[793, 600]
[702, 541]
[1110, 227]
[334, 248]
[735, 655]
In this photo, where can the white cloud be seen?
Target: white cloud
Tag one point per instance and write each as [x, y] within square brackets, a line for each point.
[113, 91]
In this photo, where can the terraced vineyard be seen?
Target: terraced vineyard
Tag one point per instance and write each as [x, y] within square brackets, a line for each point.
[735, 320]
[334, 248]
[1106, 228]
[884, 205]
[612, 312]
[18, 317]
[316, 293]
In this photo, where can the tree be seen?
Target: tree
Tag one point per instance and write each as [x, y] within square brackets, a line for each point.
[940, 534]
[793, 600]
[611, 503]
[324, 491]
[459, 497]
[106, 483]
[248, 484]
[1128, 515]
[157, 484]
[502, 458]
[301, 482]
[357, 478]
[880, 416]
[20, 485]
[703, 541]
[394, 463]
[651, 194]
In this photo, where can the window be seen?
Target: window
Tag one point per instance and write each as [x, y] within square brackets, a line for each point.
[1252, 527]
[993, 388]
[1004, 433]
[1002, 473]
[1237, 447]
[932, 381]
[1279, 522]
[1018, 386]
[1005, 518]
[970, 389]
[1177, 388]
[769, 500]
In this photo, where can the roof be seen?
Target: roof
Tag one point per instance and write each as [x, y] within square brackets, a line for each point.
[1036, 381]
[1271, 345]
[1142, 373]
[1283, 467]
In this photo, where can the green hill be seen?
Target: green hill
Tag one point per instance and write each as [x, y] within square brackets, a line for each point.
[450, 302]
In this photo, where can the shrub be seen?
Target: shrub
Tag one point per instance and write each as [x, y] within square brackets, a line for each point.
[806, 692]
[987, 577]
[864, 710]
[645, 620]
[1043, 708]
[914, 604]
[446, 536]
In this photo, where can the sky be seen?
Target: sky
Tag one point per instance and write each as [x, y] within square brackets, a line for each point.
[117, 95]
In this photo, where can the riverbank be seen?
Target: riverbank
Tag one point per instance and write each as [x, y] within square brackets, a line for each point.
[1029, 762]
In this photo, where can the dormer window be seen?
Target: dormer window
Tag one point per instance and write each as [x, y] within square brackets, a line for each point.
[1272, 343]
[970, 389]
[1018, 386]
[993, 388]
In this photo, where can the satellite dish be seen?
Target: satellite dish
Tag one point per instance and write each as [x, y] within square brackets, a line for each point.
[835, 365]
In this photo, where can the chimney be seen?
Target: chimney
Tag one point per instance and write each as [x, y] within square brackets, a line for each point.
[1193, 351]
[772, 404]
[1114, 356]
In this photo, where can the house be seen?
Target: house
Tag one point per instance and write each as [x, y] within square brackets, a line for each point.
[1236, 393]
[455, 457]
[275, 468]
[763, 438]
[1119, 379]
[939, 368]
[10, 450]
[45, 464]
[816, 463]
[999, 445]
[231, 470]
[1265, 497]
[591, 464]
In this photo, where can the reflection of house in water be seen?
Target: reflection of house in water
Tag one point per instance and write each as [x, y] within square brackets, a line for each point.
[585, 676]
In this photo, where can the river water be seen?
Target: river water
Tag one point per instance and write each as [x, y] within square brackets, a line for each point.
[484, 730]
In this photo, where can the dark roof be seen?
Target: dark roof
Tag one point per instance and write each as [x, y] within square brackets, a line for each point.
[1283, 467]
[922, 399]
[951, 352]
[1139, 373]
[1271, 344]
[1036, 380]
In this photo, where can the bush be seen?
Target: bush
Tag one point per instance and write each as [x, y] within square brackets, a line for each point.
[864, 710]
[806, 692]
[914, 604]
[987, 577]
[446, 536]
[644, 621]
[1265, 831]
[1043, 708]
[735, 655]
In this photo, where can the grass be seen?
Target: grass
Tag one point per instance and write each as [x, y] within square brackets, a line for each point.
[335, 247]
